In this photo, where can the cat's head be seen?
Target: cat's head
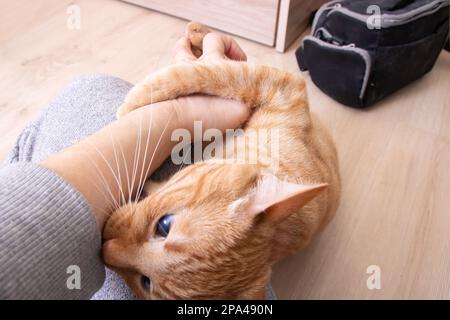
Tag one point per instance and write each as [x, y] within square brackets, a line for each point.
[204, 235]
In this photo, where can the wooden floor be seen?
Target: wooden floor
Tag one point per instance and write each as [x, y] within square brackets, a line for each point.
[395, 157]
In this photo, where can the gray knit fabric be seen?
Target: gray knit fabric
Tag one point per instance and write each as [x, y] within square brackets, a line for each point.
[41, 236]
[45, 224]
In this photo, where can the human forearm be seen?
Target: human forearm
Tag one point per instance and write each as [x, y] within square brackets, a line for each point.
[109, 166]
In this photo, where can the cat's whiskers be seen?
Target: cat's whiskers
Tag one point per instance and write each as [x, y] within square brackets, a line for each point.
[142, 176]
[110, 168]
[157, 144]
[102, 191]
[126, 169]
[104, 211]
[137, 154]
[121, 193]
[132, 172]
[106, 186]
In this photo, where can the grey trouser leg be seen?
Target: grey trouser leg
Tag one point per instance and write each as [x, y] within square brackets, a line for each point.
[80, 109]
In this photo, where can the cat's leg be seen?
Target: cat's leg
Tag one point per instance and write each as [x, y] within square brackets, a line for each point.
[255, 86]
[216, 74]
[160, 86]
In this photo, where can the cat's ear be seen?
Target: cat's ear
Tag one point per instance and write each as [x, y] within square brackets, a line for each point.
[277, 199]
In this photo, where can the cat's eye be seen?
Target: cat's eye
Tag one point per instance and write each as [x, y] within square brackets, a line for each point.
[145, 283]
[164, 224]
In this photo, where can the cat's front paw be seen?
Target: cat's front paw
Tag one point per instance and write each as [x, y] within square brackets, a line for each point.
[195, 32]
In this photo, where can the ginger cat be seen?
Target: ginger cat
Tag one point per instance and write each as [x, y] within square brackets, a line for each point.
[215, 229]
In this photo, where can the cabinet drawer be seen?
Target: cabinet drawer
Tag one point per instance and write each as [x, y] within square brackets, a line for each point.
[251, 19]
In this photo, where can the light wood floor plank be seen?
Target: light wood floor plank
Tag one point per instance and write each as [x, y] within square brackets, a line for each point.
[395, 157]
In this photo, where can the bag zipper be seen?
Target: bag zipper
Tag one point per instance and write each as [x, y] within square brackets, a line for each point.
[322, 9]
[389, 20]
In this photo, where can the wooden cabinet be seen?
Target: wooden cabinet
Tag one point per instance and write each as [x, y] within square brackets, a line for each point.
[270, 22]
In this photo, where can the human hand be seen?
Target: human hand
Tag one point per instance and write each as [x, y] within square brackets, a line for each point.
[200, 44]
[215, 47]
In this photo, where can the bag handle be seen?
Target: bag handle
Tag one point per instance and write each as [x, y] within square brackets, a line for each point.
[400, 4]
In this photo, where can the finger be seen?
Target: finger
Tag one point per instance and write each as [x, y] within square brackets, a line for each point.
[234, 51]
[216, 46]
[182, 51]
[213, 47]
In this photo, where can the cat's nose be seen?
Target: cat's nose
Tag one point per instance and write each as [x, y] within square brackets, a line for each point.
[114, 254]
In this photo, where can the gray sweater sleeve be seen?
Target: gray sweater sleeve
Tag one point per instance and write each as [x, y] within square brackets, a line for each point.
[48, 237]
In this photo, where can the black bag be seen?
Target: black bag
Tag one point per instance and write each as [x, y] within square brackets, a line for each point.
[358, 58]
